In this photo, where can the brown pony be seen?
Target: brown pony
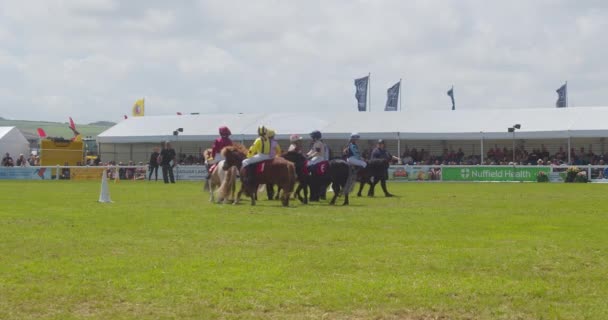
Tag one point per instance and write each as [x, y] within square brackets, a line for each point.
[276, 171]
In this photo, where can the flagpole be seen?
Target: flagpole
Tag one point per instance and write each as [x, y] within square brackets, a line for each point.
[566, 93]
[399, 96]
[453, 100]
[369, 90]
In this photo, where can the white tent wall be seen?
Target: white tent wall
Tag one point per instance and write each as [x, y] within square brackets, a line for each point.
[13, 142]
[433, 131]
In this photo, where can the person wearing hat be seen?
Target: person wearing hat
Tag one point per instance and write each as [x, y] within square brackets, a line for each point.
[295, 143]
[275, 148]
[219, 144]
[380, 152]
[317, 150]
[353, 156]
[258, 152]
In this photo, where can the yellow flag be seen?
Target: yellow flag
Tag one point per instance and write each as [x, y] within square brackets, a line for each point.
[138, 108]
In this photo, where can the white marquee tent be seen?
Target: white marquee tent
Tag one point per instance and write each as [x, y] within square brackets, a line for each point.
[13, 142]
[545, 123]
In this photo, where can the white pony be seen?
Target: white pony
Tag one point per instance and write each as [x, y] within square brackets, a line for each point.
[222, 182]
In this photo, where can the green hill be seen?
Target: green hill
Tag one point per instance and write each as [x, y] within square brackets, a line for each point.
[57, 129]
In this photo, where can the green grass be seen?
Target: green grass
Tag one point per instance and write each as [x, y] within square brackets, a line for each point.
[447, 251]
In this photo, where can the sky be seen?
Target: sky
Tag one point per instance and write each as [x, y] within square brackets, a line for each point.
[91, 59]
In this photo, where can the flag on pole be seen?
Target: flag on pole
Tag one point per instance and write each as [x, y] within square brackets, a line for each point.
[451, 94]
[361, 93]
[41, 133]
[125, 117]
[562, 96]
[392, 97]
[138, 108]
[72, 124]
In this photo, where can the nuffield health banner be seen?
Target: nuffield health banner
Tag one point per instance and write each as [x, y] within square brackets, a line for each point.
[492, 173]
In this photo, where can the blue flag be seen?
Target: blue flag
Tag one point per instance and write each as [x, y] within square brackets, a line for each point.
[451, 94]
[562, 96]
[361, 93]
[392, 97]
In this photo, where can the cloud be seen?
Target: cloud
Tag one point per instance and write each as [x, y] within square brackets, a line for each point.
[92, 59]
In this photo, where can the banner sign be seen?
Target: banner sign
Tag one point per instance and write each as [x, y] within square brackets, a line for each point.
[24, 173]
[190, 172]
[414, 173]
[86, 173]
[492, 173]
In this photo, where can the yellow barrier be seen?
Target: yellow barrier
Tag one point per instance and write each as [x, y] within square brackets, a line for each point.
[87, 173]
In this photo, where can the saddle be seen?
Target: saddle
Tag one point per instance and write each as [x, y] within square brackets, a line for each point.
[260, 166]
[319, 169]
[212, 168]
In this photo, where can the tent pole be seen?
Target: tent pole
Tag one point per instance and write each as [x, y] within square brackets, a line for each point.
[569, 152]
[398, 146]
[481, 161]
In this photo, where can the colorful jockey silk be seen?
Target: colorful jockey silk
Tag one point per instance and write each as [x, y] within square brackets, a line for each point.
[275, 148]
[353, 151]
[219, 144]
[317, 150]
[261, 145]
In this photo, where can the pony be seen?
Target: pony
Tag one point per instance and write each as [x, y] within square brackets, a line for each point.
[299, 161]
[342, 177]
[222, 182]
[376, 171]
[276, 171]
[206, 157]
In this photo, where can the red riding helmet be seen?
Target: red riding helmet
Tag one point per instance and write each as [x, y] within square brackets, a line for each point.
[224, 131]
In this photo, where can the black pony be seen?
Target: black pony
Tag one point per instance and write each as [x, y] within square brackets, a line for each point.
[376, 171]
[342, 179]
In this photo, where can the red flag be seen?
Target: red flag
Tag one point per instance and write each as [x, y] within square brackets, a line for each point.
[41, 133]
[179, 113]
[126, 117]
[72, 125]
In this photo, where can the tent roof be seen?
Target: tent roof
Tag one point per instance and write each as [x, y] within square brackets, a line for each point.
[539, 123]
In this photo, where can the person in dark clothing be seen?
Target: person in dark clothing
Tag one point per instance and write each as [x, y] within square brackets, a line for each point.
[154, 163]
[168, 162]
[380, 152]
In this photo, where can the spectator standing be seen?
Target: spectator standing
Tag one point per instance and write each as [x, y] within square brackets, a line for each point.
[380, 152]
[7, 161]
[167, 156]
[154, 163]
[22, 162]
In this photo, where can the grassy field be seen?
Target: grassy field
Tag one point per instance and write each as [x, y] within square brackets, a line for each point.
[438, 251]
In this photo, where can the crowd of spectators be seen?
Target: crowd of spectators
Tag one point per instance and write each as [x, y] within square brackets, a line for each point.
[22, 161]
[500, 156]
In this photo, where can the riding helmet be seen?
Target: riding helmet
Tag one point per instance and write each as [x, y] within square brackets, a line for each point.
[270, 133]
[294, 138]
[262, 131]
[225, 132]
[380, 141]
[315, 135]
[355, 135]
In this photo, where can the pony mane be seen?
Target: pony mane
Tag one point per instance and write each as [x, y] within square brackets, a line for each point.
[236, 147]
